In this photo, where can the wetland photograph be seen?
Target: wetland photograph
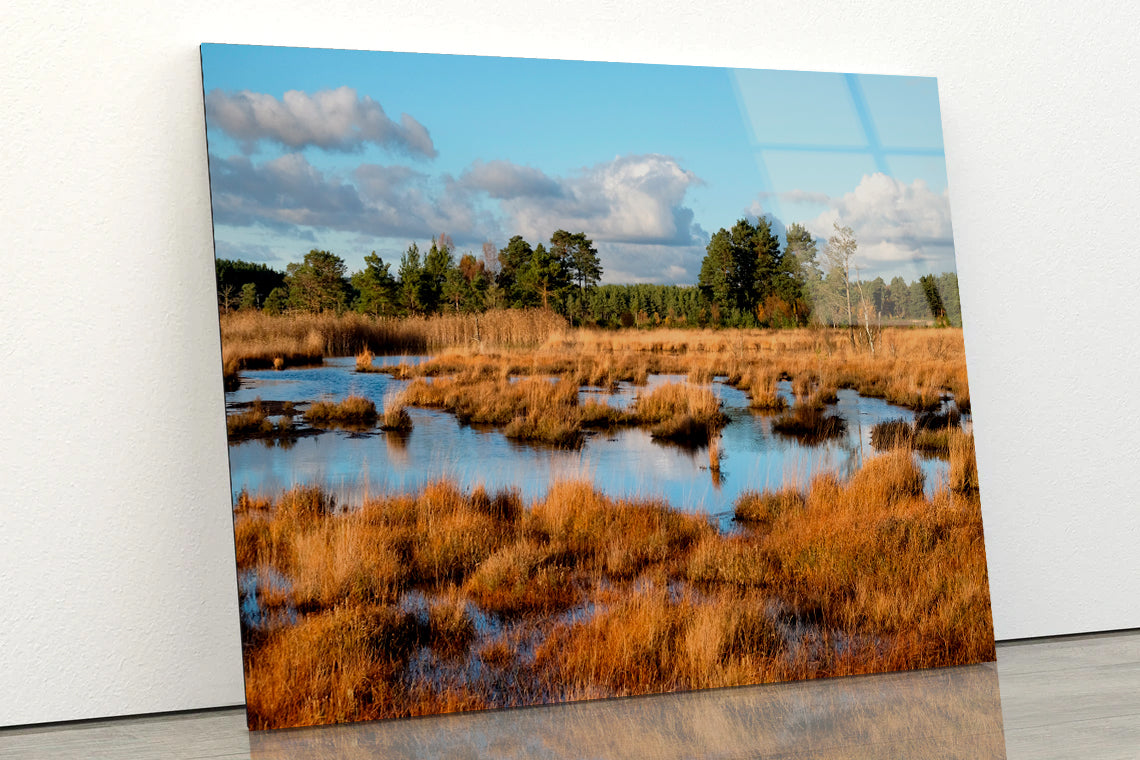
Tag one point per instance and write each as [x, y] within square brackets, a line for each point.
[557, 380]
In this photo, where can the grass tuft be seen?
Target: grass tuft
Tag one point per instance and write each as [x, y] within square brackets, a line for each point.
[353, 411]
[810, 424]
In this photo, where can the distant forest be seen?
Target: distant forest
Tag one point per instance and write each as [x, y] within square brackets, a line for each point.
[746, 280]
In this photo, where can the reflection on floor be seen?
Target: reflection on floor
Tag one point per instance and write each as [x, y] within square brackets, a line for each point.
[1061, 698]
[953, 712]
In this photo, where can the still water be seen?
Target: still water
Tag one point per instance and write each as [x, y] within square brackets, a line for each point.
[626, 462]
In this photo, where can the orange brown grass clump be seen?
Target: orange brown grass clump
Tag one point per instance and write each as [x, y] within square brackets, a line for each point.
[598, 596]
[395, 416]
[353, 411]
[680, 412]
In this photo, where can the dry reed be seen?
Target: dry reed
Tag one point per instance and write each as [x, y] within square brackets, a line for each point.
[352, 411]
[608, 596]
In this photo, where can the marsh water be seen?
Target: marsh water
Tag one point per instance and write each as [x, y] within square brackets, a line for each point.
[623, 463]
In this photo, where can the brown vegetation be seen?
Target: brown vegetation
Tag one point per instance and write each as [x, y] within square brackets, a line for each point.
[547, 410]
[678, 412]
[599, 596]
[254, 422]
[364, 362]
[254, 339]
[810, 424]
[352, 411]
[915, 368]
[395, 417]
[931, 433]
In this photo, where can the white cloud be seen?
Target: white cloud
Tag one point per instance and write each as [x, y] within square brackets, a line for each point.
[658, 264]
[336, 120]
[894, 223]
[631, 199]
[381, 201]
[632, 207]
[502, 179]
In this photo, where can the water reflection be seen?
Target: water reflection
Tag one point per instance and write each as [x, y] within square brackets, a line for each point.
[622, 462]
[941, 713]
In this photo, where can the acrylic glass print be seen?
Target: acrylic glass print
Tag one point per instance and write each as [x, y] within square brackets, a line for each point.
[553, 380]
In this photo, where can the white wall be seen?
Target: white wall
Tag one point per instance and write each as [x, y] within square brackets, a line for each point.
[116, 563]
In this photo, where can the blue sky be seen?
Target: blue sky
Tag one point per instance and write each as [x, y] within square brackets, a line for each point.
[355, 151]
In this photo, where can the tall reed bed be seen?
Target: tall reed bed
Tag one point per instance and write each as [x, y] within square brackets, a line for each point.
[256, 339]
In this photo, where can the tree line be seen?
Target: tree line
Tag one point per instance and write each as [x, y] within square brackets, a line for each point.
[746, 280]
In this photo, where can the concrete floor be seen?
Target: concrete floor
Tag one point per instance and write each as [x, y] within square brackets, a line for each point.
[1059, 698]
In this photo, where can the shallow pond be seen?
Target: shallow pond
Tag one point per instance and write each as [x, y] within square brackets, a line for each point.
[625, 462]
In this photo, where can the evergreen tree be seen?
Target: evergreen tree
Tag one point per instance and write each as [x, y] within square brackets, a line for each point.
[933, 298]
[276, 301]
[897, 295]
[317, 284]
[436, 263]
[948, 288]
[545, 277]
[800, 264]
[248, 297]
[411, 275]
[514, 259]
[769, 274]
[717, 279]
[378, 293]
[579, 257]
[234, 275]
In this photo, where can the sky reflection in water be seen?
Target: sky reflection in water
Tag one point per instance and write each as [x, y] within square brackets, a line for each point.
[625, 462]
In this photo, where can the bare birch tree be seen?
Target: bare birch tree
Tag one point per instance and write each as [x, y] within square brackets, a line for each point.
[840, 256]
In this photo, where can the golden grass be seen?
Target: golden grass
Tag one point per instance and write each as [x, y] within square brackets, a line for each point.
[933, 434]
[810, 423]
[395, 416]
[340, 561]
[764, 398]
[254, 339]
[874, 555]
[254, 422]
[763, 509]
[915, 368]
[547, 410]
[250, 423]
[614, 596]
[352, 411]
[617, 538]
[963, 463]
[523, 577]
[680, 412]
[646, 641]
[331, 667]
[364, 362]
[892, 434]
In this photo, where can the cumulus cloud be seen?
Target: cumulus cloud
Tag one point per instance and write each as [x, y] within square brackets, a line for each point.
[334, 120]
[381, 201]
[894, 223]
[631, 199]
[657, 264]
[631, 207]
[502, 180]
